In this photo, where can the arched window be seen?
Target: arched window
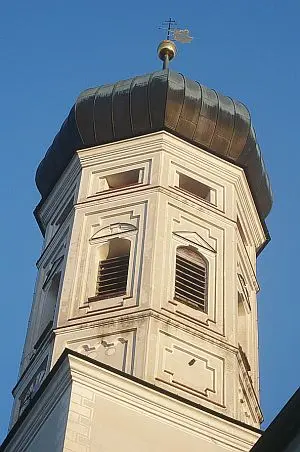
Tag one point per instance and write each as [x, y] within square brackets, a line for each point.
[49, 305]
[191, 278]
[113, 269]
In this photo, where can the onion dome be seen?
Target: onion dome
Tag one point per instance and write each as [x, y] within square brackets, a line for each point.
[162, 100]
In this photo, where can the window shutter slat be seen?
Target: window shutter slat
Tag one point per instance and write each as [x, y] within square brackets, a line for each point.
[112, 277]
[191, 278]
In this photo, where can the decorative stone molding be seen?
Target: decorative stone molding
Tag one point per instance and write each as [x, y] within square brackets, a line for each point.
[112, 230]
[102, 225]
[196, 239]
[207, 239]
[190, 368]
[116, 350]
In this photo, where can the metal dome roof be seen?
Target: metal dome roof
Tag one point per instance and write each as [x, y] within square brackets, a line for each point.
[162, 100]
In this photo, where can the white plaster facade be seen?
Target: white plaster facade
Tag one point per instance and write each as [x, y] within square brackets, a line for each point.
[131, 190]
[87, 408]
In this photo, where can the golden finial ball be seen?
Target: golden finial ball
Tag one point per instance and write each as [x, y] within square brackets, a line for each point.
[166, 47]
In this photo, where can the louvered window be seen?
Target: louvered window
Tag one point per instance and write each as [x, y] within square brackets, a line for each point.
[191, 278]
[112, 277]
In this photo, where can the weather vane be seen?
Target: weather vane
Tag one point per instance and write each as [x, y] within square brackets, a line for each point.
[167, 48]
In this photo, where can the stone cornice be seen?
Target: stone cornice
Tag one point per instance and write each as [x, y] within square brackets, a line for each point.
[137, 315]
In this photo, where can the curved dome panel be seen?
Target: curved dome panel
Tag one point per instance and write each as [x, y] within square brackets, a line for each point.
[163, 100]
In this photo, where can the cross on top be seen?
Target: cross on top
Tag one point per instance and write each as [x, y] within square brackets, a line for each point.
[169, 26]
[174, 33]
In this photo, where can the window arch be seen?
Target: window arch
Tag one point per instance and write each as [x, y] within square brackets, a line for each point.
[191, 277]
[49, 305]
[113, 269]
[51, 299]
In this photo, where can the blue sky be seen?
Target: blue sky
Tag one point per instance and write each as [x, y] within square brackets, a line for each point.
[51, 51]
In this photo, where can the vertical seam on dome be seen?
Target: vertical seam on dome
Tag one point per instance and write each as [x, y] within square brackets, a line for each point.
[130, 104]
[112, 109]
[249, 131]
[182, 103]
[200, 108]
[94, 110]
[148, 99]
[233, 129]
[82, 140]
[166, 98]
[217, 119]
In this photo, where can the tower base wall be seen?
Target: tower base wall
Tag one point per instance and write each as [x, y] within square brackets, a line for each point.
[91, 407]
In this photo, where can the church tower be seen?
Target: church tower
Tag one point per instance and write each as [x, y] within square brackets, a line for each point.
[143, 330]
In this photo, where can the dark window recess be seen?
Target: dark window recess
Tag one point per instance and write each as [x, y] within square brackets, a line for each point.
[194, 187]
[43, 335]
[49, 303]
[124, 179]
[112, 277]
[63, 215]
[191, 279]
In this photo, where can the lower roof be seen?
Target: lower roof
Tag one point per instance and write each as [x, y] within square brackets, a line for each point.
[283, 429]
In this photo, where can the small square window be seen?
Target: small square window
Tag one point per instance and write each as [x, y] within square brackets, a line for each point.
[120, 180]
[194, 187]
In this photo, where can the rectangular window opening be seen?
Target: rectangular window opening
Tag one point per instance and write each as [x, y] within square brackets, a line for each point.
[64, 213]
[194, 187]
[120, 180]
